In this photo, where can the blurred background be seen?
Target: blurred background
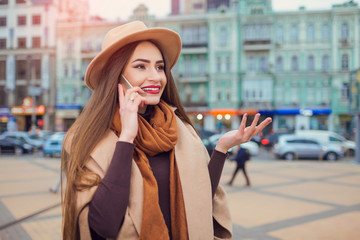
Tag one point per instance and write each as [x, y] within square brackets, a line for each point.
[295, 61]
[298, 66]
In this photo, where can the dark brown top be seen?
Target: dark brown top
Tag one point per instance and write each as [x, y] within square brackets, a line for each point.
[108, 206]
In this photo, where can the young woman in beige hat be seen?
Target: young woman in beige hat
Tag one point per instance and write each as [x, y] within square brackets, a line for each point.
[135, 166]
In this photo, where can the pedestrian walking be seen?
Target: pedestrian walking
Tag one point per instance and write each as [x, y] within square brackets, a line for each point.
[241, 158]
[135, 166]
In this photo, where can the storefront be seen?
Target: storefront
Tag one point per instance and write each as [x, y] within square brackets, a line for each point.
[65, 116]
[299, 119]
[28, 116]
[4, 119]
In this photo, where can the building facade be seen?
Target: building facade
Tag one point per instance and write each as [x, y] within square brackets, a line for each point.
[27, 64]
[238, 56]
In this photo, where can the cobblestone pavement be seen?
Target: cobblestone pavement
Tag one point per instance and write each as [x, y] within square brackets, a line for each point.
[286, 200]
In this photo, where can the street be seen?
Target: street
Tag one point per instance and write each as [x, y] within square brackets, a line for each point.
[304, 199]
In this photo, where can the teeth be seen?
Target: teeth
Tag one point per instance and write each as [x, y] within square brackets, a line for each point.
[150, 89]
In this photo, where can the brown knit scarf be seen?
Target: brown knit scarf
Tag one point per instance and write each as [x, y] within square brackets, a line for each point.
[160, 135]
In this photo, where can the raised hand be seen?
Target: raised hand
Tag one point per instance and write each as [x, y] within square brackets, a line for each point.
[241, 135]
[130, 101]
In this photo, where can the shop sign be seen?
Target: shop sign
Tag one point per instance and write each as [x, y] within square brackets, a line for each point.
[23, 110]
[27, 108]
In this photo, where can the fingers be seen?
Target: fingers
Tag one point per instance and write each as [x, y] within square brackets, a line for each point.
[262, 125]
[243, 124]
[120, 93]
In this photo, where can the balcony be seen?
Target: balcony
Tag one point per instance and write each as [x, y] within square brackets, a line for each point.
[193, 77]
[194, 48]
[253, 104]
[257, 44]
[345, 43]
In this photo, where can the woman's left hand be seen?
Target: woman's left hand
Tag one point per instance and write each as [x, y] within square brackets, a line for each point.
[242, 135]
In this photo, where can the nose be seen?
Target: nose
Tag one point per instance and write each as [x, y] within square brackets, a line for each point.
[154, 75]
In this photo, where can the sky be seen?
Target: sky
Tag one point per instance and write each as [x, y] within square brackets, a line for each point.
[122, 9]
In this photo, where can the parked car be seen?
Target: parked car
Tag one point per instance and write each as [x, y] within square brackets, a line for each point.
[24, 137]
[53, 146]
[271, 139]
[211, 142]
[10, 145]
[292, 147]
[329, 137]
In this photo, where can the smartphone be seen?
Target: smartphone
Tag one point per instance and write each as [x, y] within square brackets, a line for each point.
[125, 82]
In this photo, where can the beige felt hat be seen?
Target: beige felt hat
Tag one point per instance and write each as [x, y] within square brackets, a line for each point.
[168, 41]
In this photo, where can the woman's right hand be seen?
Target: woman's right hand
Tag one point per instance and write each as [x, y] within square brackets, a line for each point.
[129, 106]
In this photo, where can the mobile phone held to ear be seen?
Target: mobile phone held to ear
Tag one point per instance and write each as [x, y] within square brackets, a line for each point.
[125, 82]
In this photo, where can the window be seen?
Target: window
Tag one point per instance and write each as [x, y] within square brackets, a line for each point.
[21, 42]
[36, 19]
[345, 91]
[228, 93]
[294, 37]
[36, 42]
[218, 64]
[2, 69]
[294, 63]
[280, 34]
[228, 64]
[344, 31]
[188, 66]
[202, 65]
[279, 64]
[344, 62]
[325, 32]
[21, 20]
[218, 93]
[223, 36]
[2, 43]
[310, 32]
[311, 64]
[325, 63]
[263, 64]
[2, 21]
[251, 64]
[21, 66]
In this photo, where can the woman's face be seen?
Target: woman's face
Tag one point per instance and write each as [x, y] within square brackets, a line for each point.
[146, 69]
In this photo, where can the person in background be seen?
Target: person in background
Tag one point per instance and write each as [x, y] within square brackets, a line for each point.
[241, 158]
[135, 166]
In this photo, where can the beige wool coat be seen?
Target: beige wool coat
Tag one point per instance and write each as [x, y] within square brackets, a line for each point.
[207, 217]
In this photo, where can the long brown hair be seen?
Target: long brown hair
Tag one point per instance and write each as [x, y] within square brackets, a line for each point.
[95, 120]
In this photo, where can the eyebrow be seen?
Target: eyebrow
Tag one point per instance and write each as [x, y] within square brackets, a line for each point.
[147, 61]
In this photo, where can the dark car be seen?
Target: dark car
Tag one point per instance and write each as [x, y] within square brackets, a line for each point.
[10, 145]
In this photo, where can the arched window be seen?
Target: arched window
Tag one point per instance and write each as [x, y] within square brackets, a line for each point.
[344, 31]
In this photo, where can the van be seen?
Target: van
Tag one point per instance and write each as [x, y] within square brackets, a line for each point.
[330, 138]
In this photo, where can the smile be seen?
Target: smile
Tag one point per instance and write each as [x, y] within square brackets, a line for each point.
[152, 89]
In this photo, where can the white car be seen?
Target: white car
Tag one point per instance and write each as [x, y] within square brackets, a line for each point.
[251, 146]
[292, 147]
[329, 138]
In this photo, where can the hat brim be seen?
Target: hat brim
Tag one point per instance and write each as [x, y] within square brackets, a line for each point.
[168, 40]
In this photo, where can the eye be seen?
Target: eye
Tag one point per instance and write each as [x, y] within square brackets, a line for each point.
[140, 66]
[160, 67]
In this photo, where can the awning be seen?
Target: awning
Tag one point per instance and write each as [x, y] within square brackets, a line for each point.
[231, 112]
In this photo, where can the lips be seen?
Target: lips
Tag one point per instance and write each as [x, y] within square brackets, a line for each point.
[151, 89]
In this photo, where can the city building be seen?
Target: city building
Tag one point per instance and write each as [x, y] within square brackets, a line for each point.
[27, 63]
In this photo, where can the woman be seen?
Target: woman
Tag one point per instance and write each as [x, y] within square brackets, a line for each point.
[135, 166]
